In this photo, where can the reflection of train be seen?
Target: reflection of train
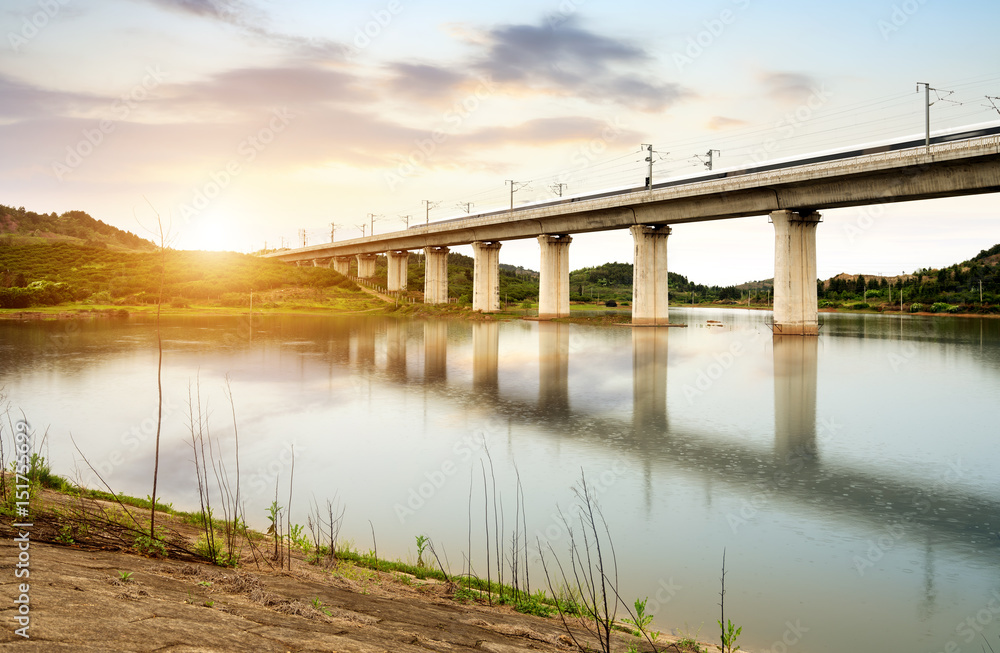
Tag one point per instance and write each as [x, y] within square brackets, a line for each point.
[822, 157]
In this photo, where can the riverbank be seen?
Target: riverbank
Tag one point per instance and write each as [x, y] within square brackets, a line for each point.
[89, 589]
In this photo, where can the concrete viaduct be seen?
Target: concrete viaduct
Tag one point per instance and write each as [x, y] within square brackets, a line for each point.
[792, 196]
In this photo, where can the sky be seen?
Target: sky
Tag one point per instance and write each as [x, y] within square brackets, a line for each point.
[245, 123]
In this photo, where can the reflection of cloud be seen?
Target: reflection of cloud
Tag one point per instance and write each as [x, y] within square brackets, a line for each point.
[723, 122]
[571, 61]
[787, 87]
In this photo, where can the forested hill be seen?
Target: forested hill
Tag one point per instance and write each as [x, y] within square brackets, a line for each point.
[27, 227]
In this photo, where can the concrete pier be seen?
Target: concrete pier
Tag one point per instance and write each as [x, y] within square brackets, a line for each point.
[366, 265]
[486, 277]
[553, 280]
[436, 275]
[795, 307]
[649, 274]
[342, 264]
[397, 270]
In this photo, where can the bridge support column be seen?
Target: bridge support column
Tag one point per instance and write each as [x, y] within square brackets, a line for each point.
[553, 282]
[486, 277]
[795, 305]
[436, 275]
[397, 270]
[342, 264]
[649, 274]
[366, 265]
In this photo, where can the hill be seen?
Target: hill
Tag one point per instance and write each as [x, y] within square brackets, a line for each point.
[19, 226]
[49, 273]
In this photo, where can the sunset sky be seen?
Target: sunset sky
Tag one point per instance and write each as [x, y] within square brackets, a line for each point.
[243, 121]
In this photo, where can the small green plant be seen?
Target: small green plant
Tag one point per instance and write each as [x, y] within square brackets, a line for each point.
[421, 547]
[125, 576]
[642, 620]
[318, 605]
[689, 643]
[209, 604]
[299, 538]
[729, 635]
[65, 535]
[205, 583]
[149, 546]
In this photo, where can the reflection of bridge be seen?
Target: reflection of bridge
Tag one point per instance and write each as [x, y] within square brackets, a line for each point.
[791, 193]
[793, 472]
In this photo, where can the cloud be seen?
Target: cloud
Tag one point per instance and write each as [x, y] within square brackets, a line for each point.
[723, 122]
[545, 131]
[570, 61]
[20, 101]
[424, 82]
[253, 23]
[788, 88]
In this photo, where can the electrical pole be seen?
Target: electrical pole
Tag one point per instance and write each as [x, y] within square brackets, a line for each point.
[362, 227]
[649, 159]
[372, 216]
[302, 232]
[333, 231]
[927, 113]
[466, 206]
[711, 159]
[514, 186]
[558, 188]
[406, 219]
[428, 206]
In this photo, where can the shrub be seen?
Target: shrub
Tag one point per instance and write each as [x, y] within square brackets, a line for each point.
[611, 303]
[916, 307]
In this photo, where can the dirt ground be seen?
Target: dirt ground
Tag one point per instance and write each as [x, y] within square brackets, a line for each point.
[80, 600]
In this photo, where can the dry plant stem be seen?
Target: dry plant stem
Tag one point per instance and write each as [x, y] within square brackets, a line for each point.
[374, 543]
[722, 601]
[291, 482]
[486, 517]
[430, 545]
[159, 376]
[553, 592]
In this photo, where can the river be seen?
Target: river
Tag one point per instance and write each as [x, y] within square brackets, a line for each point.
[853, 479]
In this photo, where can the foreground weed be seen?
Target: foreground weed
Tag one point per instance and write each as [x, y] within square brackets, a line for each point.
[125, 576]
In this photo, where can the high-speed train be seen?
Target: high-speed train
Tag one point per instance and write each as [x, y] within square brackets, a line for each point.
[977, 131]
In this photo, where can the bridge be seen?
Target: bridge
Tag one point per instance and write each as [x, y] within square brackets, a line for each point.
[791, 193]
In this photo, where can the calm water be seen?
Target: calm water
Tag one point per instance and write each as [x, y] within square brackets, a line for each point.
[853, 478]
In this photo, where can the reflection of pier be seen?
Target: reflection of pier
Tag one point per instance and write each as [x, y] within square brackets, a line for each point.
[782, 476]
[795, 371]
[435, 351]
[553, 369]
[485, 356]
[649, 380]
[395, 349]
